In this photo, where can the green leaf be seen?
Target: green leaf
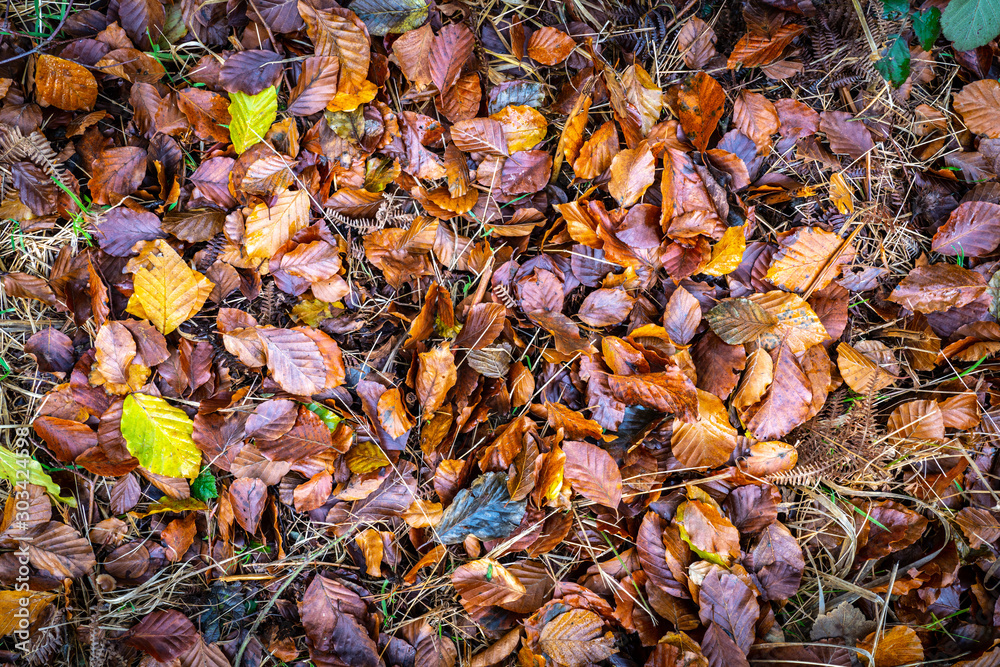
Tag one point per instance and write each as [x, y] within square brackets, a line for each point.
[971, 23]
[203, 487]
[159, 435]
[11, 465]
[895, 64]
[252, 117]
[385, 16]
[326, 415]
[927, 26]
[892, 9]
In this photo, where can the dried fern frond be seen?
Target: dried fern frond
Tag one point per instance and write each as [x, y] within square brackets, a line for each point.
[15, 147]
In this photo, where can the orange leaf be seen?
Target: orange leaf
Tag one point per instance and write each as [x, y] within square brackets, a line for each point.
[700, 101]
[550, 46]
[64, 84]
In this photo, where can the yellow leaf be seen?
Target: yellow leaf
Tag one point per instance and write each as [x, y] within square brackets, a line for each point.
[252, 116]
[269, 227]
[643, 93]
[159, 435]
[167, 291]
[523, 126]
[808, 254]
[840, 194]
[366, 457]
[798, 326]
[727, 253]
[30, 605]
[349, 101]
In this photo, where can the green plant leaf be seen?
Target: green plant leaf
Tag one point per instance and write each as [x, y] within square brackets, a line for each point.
[895, 64]
[927, 27]
[385, 16]
[203, 487]
[971, 23]
[252, 116]
[892, 9]
[159, 435]
[11, 464]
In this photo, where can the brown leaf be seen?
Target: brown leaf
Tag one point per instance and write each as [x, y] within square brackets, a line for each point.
[178, 536]
[730, 604]
[595, 156]
[979, 526]
[892, 527]
[756, 117]
[936, 287]
[316, 86]
[484, 583]
[22, 285]
[960, 411]
[696, 43]
[411, 52]
[702, 525]
[605, 307]
[973, 230]
[700, 101]
[165, 635]
[248, 496]
[718, 365]
[682, 316]
[482, 135]
[525, 172]
[786, 402]
[707, 442]
[451, 49]
[251, 71]
[593, 473]
[737, 321]
[64, 84]
[573, 639]
[798, 327]
[482, 325]
[52, 351]
[846, 134]
[61, 551]
[756, 50]
[117, 173]
[294, 360]
[66, 439]
[550, 46]
[917, 420]
[632, 172]
[314, 493]
[497, 651]
[121, 228]
[208, 113]
[977, 103]
[670, 391]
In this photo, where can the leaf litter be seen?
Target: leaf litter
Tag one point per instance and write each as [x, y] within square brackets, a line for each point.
[391, 332]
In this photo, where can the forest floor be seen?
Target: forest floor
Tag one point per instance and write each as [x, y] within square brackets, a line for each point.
[395, 332]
